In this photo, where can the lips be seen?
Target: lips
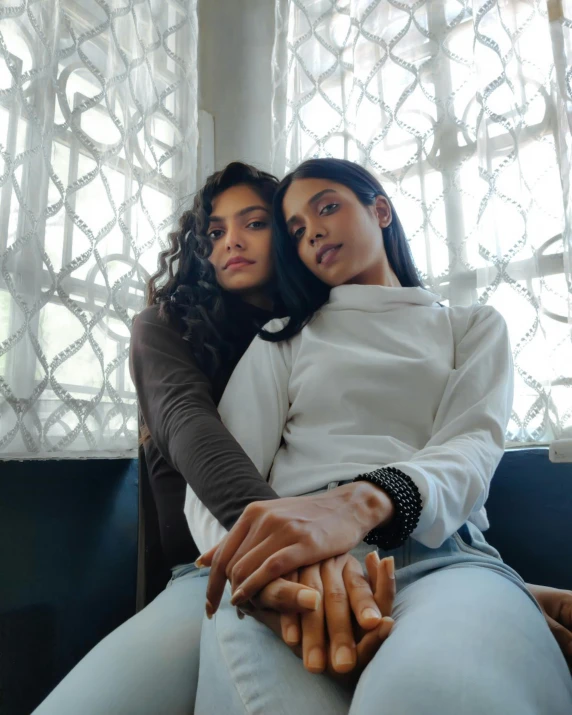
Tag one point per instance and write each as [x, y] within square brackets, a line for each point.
[323, 250]
[238, 260]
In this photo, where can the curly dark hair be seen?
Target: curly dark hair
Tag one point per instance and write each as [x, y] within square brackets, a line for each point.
[185, 286]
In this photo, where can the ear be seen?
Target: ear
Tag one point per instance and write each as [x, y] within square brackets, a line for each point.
[383, 211]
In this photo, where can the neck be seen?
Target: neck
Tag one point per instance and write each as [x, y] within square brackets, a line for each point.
[379, 274]
[258, 300]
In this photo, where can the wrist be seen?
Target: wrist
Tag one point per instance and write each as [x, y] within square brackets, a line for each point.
[373, 504]
[399, 522]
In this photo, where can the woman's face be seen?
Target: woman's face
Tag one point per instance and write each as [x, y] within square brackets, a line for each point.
[337, 237]
[240, 231]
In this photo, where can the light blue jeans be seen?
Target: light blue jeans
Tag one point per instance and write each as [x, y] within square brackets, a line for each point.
[468, 639]
[147, 666]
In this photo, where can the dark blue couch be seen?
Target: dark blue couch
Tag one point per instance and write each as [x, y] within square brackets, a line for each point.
[68, 565]
[69, 549]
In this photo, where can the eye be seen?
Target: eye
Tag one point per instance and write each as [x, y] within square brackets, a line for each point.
[257, 225]
[214, 234]
[297, 235]
[328, 209]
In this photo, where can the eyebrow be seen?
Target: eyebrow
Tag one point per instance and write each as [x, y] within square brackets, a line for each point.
[238, 214]
[315, 198]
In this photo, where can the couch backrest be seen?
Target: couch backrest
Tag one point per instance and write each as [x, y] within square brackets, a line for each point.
[530, 511]
[68, 565]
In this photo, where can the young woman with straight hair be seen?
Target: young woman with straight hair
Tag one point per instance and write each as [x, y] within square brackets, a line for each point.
[377, 414]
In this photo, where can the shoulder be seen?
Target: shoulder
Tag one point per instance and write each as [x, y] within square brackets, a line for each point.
[480, 323]
[474, 314]
[149, 316]
[263, 352]
[151, 327]
[152, 317]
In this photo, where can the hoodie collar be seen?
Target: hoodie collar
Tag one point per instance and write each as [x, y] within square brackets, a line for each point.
[373, 299]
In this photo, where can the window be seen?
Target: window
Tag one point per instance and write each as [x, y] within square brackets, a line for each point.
[463, 120]
[97, 159]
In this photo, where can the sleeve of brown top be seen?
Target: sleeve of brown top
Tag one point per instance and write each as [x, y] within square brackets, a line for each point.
[176, 402]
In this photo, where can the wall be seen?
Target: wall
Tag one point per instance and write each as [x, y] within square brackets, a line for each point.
[235, 50]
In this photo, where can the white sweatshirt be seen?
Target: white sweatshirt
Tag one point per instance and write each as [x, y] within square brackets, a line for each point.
[380, 377]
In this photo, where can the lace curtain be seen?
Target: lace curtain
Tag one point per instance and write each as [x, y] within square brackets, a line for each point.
[460, 108]
[98, 142]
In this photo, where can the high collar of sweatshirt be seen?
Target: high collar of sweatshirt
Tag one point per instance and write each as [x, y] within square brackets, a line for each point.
[377, 299]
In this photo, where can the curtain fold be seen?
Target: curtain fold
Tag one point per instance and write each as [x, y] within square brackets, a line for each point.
[462, 109]
[98, 145]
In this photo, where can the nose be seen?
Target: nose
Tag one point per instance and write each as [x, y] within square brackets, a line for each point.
[316, 236]
[233, 239]
[315, 230]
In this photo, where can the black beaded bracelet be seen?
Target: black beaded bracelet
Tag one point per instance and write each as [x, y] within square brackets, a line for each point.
[407, 503]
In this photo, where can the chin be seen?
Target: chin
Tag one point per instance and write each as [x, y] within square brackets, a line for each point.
[243, 286]
[238, 287]
[334, 279]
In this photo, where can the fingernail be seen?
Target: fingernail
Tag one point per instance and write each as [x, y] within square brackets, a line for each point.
[385, 621]
[237, 597]
[199, 564]
[292, 635]
[370, 614]
[240, 614]
[376, 554]
[308, 599]
[344, 656]
[390, 567]
[316, 659]
[209, 610]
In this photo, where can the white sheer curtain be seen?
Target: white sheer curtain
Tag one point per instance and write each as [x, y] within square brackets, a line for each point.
[458, 107]
[98, 141]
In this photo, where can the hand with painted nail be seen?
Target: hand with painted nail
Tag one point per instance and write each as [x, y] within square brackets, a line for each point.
[284, 596]
[275, 537]
[332, 633]
[352, 618]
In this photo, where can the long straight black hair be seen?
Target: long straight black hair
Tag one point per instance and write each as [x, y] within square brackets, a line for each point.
[301, 291]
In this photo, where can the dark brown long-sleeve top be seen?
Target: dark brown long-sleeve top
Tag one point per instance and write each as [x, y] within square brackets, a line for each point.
[189, 443]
